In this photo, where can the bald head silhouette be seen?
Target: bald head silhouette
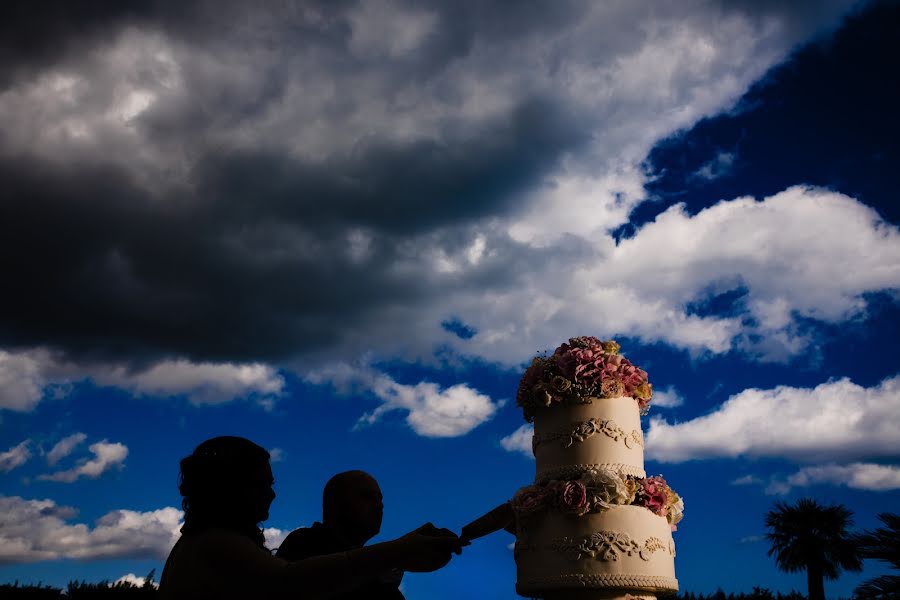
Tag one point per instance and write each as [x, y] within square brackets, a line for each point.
[353, 506]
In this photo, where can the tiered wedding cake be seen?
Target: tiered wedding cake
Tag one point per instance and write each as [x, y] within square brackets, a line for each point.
[592, 525]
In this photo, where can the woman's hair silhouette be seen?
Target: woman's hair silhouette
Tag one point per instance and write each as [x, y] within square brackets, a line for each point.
[226, 482]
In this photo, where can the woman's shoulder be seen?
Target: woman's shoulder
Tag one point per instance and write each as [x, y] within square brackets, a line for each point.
[222, 546]
[206, 560]
[218, 540]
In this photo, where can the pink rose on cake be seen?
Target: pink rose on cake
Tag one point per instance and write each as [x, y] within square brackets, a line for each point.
[611, 365]
[590, 371]
[567, 361]
[655, 494]
[580, 360]
[630, 376]
[573, 498]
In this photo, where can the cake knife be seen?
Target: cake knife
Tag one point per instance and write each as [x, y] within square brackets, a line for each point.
[499, 518]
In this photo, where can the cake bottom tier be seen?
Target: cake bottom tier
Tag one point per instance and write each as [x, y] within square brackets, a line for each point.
[626, 549]
[597, 594]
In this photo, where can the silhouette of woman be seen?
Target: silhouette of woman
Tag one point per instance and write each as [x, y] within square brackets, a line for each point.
[226, 484]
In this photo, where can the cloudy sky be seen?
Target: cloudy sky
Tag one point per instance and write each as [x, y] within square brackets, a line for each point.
[342, 228]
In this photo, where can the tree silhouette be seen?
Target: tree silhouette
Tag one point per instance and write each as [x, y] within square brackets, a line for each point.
[881, 544]
[812, 537]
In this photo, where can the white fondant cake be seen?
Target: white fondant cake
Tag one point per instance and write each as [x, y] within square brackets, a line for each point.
[602, 432]
[593, 525]
[625, 547]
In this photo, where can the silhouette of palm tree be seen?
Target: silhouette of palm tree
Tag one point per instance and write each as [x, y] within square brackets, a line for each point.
[881, 544]
[812, 537]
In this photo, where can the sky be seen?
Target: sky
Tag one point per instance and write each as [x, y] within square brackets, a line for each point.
[342, 229]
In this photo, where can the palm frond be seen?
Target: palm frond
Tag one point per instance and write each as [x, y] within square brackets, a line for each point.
[886, 587]
[883, 543]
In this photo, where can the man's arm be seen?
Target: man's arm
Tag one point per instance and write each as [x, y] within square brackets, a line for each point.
[252, 568]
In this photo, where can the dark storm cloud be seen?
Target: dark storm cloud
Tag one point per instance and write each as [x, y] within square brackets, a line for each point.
[96, 270]
[397, 188]
[250, 260]
[34, 35]
[37, 34]
[253, 264]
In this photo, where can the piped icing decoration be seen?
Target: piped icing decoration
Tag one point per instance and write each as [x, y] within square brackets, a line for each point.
[579, 370]
[609, 546]
[579, 432]
[599, 490]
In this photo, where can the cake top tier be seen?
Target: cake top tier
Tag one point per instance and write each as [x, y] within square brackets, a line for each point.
[582, 368]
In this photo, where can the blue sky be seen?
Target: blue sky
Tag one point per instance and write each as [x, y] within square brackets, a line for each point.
[342, 229]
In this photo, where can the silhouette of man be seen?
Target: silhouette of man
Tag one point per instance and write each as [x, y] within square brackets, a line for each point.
[352, 509]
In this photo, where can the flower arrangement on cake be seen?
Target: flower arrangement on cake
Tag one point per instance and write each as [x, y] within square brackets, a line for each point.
[585, 367]
[598, 490]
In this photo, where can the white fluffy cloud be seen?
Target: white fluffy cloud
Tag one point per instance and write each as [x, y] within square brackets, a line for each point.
[64, 447]
[432, 411]
[203, 383]
[835, 421]
[519, 440]
[106, 456]
[789, 268]
[667, 398]
[36, 530]
[860, 476]
[21, 381]
[15, 457]
[26, 376]
[645, 285]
